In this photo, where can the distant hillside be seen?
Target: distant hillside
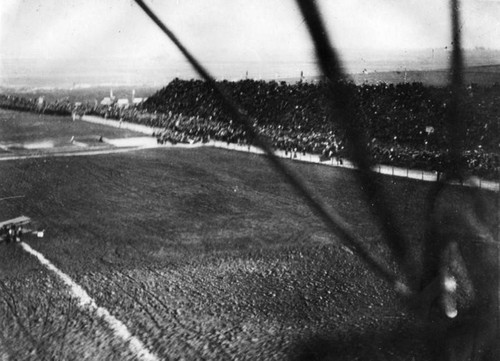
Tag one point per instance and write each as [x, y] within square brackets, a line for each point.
[84, 94]
[481, 75]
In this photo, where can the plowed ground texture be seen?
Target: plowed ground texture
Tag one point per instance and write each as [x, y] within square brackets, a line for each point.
[204, 254]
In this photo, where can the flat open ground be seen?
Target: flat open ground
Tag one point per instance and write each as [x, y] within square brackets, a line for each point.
[485, 75]
[201, 253]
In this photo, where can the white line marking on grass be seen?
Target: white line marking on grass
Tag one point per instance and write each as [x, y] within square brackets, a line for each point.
[86, 302]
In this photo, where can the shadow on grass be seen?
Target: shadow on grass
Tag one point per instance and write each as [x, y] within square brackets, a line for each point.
[414, 345]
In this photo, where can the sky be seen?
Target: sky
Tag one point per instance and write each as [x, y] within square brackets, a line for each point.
[77, 31]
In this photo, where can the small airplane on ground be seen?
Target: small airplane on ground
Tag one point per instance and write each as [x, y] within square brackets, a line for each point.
[13, 229]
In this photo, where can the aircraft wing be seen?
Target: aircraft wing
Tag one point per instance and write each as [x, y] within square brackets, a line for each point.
[18, 221]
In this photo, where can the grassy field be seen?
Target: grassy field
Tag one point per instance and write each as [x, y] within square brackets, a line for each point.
[25, 127]
[203, 254]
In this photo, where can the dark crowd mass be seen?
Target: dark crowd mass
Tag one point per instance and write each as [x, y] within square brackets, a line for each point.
[403, 125]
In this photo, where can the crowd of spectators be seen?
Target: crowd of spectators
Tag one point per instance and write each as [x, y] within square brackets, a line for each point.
[403, 124]
[38, 105]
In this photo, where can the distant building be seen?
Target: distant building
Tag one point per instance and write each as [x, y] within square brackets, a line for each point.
[106, 101]
[137, 101]
[123, 103]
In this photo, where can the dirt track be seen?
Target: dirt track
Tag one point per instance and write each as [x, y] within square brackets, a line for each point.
[202, 254]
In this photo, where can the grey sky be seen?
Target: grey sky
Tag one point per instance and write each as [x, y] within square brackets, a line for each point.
[238, 29]
[69, 40]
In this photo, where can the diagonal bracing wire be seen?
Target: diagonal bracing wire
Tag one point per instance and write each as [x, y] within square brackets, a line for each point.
[456, 131]
[332, 220]
[341, 98]
[455, 121]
